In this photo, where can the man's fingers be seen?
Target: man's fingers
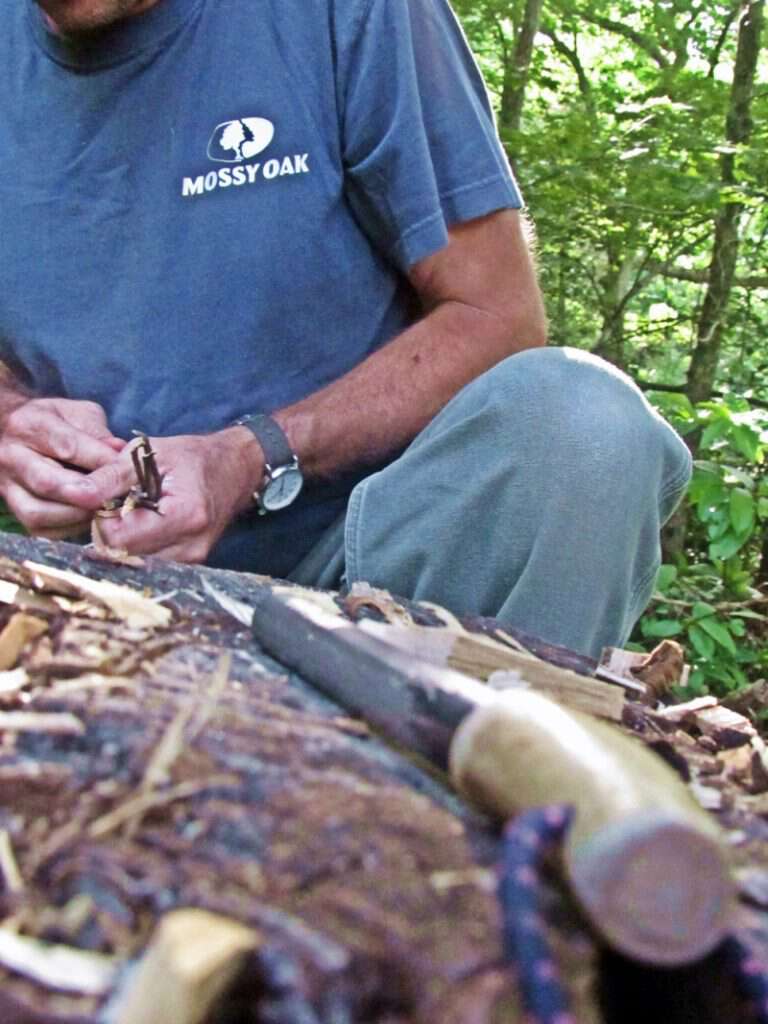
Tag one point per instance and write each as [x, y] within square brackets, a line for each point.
[29, 477]
[48, 433]
[39, 516]
[109, 481]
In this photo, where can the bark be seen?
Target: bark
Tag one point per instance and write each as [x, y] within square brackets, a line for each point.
[517, 68]
[712, 320]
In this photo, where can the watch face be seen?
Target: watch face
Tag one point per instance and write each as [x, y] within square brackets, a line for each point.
[283, 488]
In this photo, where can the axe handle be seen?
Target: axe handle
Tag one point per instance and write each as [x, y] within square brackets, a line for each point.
[645, 862]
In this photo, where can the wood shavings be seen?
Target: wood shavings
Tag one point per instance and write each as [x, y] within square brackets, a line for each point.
[651, 675]
[53, 722]
[192, 958]
[125, 603]
[173, 741]
[139, 805]
[57, 967]
[728, 728]
[19, 631]
[445, 881]
[708, 797]
[680, 713]
[662, 669]
[12, 879]
[90, 681]
[363, 596]
[12, 682]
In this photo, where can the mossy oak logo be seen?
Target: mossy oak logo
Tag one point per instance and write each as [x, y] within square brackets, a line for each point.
[236, 143]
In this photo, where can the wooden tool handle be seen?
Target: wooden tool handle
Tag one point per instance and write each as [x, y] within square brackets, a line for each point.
[644, 861]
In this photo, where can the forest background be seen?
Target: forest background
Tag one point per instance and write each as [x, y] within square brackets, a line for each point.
[638, 133]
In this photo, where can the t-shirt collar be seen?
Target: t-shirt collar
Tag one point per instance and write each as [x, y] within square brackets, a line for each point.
[114, 44]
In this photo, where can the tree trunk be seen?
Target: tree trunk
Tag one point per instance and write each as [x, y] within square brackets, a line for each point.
[738, 129]
[516, 69]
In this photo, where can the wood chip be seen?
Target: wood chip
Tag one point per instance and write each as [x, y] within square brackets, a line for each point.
[12, 682]
[53, 722]
[682, 712]
[193, 957]
[363, 596]
[19, 631]
[12, 878]
[662, 669]
[57, 967]
[727, 728]
[124, 602]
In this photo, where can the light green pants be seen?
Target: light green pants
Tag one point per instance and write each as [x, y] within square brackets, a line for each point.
[535, 496]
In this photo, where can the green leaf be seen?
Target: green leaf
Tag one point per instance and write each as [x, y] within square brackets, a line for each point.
[719, 633]
[702, 643]
[714, 432]
[742, 510]
[661, 627]
[702, 610]
[746, 441]
[666, 577]
[737, 627]
[727, 546]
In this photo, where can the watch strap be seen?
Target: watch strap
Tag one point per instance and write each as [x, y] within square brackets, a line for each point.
[271, 437]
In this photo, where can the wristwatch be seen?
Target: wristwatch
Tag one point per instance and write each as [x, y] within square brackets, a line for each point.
[282, 480]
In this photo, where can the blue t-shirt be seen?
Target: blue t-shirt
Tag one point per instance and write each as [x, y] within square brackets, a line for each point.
[207, 210]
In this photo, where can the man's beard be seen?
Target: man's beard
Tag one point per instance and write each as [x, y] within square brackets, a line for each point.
[76, 17]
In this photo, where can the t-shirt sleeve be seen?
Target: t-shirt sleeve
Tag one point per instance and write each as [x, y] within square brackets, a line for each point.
[419, 141]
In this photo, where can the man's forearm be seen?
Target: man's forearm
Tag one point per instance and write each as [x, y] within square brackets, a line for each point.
[382, 404]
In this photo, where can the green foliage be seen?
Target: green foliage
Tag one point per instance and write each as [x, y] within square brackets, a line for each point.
[709, 600]
[8, 524]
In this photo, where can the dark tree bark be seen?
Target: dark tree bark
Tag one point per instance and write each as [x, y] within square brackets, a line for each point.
[517, 68]
[725, 248]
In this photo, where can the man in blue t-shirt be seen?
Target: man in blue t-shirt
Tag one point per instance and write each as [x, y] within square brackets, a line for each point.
[285, 242]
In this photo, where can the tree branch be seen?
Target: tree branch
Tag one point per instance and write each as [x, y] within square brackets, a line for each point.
[619, 28]
[702, 276]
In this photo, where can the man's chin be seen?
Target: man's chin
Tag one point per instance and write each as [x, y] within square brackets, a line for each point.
[77, 17]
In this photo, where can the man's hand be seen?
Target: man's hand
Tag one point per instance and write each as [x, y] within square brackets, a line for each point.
[43, 444]
[207, 480]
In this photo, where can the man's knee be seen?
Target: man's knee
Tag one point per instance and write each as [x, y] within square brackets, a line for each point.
[582, 416]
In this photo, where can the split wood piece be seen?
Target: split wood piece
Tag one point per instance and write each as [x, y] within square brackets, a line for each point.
[646, 864]
[58, 723]
[19, 630]
[486, 659]
[124, 602]
[192, 959]
[56, 967]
